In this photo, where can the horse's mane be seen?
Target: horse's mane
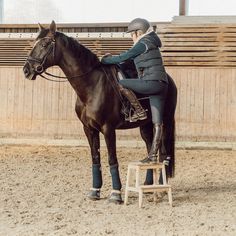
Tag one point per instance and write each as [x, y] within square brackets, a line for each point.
[77, 49]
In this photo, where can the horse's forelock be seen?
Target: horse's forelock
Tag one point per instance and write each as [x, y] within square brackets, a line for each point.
[43, 33]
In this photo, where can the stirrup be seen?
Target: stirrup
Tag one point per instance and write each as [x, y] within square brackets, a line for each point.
[142, 115]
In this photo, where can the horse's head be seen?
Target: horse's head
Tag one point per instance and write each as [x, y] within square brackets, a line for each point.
[42, 54]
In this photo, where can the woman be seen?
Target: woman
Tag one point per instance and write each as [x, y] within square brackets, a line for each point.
[152, 79]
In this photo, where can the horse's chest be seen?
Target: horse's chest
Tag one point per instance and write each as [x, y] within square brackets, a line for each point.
[86, 114]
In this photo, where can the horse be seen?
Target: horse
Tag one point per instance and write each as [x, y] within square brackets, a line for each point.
[99, 104]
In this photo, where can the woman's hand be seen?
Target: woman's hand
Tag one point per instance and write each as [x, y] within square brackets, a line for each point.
[106, 55]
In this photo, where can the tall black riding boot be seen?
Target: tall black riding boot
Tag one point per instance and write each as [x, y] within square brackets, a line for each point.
[139, 112]
[152, 156]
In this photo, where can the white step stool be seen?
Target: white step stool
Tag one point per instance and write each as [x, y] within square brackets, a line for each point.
[140, 188]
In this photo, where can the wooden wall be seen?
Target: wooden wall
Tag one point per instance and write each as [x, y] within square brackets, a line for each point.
[206, 109]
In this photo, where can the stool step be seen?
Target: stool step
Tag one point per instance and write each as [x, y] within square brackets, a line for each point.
[145, 166]
[154, 188]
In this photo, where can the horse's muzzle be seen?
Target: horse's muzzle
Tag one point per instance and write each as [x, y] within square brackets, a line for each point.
[28, 72]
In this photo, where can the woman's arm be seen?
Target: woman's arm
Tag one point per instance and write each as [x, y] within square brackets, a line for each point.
[136, 50]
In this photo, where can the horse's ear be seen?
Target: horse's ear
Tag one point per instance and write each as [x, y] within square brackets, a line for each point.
[53, 27]
[40, 27]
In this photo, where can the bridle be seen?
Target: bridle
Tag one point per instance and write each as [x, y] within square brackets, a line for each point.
[39, 69]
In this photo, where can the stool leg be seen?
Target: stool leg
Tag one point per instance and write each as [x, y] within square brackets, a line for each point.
[140, 198]
[154, 176]
[140, 192]
[137, 178]
[170, 196]
[127, 187]
[155, 183]
[164, 174]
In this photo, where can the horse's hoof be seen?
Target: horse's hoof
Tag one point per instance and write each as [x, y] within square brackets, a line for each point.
[115, 198]
[94, 195]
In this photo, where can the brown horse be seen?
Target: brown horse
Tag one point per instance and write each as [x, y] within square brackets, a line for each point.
[98, 104]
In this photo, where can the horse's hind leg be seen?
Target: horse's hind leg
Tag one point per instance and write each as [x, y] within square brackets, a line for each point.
[94, 143]
[146, 132]
[110, 139]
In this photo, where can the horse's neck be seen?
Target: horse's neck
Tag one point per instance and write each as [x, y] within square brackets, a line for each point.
[69, 65]
[73, 66]
[79, 75]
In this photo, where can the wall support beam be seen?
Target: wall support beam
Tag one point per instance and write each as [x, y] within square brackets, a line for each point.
[183, 7]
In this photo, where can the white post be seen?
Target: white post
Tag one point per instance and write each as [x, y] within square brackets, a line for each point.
[183, 7]
[1, 11]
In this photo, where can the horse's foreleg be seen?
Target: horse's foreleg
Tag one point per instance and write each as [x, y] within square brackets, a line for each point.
[94, 143]
[110, 139]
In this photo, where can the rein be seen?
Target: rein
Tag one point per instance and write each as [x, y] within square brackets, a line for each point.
[64, 77]
[53, 80]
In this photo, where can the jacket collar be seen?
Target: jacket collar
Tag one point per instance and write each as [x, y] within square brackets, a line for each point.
[150, 30]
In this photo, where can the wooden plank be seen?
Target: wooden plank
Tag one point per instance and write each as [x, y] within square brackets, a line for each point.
[231, 106]
[230, 30]
[19, 108]
[216, 77]
[27, 105]
[189, 35]
[193, 59]
[38, 115]
[3, 101]
[190, 44]
[190, 54]
[188, 39]
[190, 49]
[230, 49]
[10, 98]
[223, 102]
[188, 29]
[230, 39]
[199, 104]
[228, 63]
[15, 98]
[229, 35]
[187, 63]
[182, 94]
[228, 59]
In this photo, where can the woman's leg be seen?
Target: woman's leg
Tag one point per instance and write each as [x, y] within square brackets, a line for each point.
[139, 113]
[157, 108]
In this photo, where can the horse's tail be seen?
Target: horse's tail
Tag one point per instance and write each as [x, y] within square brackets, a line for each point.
[168, 141]
[170, 146]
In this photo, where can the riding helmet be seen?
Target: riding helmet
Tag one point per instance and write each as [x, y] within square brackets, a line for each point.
[138, 24]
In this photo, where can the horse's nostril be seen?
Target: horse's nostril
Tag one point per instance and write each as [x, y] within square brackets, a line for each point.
[26, 71]
[39, 69]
